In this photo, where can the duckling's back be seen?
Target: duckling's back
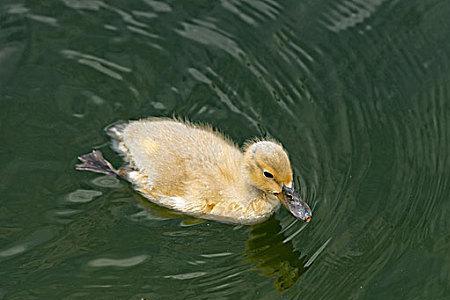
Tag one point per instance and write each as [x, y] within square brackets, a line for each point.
[178, 159]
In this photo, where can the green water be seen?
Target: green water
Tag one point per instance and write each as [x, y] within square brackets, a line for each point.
[356, 90]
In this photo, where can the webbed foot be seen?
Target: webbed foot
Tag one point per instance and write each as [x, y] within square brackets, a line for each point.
[95, 162]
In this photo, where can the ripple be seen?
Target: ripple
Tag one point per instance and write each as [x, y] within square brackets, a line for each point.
[43, 19]
[67, 212]
[267, 7]
[221, 94]
[83, 196]
[186, 275]
[84, 4]
[122, 263]
[107, 182]
[222, 279]
[29, 242]
[158, 6]
[316, 254]
[99, 67]
[21, 9]
[142, 32]
[102, 65]
[250, 11]
[356, 90]
[126, 17]
[213, 255]
[293, 235]
[13, 250]
[72, 54]
[62, 216]
[347, 14]
[17, 9]
[232, 6]
[110, 27]
[144, 14]
[292, 51]
[212, 37]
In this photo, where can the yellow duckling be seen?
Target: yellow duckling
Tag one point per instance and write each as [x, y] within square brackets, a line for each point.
[197, 171]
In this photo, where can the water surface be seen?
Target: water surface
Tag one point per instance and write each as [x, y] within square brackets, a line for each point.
[356, 90]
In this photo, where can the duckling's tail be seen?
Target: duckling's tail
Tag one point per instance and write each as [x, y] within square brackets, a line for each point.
[95, 162]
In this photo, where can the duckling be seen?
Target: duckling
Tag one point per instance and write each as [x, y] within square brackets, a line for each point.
[195, 170]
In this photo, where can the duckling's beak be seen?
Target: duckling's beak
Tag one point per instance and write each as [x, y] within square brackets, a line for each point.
[295, 204]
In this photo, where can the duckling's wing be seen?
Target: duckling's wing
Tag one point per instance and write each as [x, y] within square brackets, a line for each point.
[178, 152]
[173, 159]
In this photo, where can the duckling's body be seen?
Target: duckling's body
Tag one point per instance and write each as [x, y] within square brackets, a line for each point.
[194, 170]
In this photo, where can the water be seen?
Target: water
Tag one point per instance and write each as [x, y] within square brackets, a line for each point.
[356, 90]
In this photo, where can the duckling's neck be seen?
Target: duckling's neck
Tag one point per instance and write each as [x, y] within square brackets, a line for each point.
[249, 186]
[259, 206]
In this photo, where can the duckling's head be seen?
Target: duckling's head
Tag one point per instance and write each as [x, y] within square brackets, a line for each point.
[270, 171]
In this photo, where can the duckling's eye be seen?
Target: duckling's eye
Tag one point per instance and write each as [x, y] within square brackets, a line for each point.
[267, 174]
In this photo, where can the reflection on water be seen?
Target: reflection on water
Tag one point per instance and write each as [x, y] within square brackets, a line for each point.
[273, 256]
[267, 249]
[356, 90]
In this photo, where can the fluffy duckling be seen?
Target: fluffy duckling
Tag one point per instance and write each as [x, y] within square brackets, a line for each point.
[197, 171]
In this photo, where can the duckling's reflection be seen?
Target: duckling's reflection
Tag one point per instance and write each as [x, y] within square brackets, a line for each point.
[273, 257]
[264, 249]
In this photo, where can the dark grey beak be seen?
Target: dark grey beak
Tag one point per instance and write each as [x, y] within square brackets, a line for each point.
[296, 205]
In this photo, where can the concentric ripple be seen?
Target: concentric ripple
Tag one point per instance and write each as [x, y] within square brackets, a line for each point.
[357, 91]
